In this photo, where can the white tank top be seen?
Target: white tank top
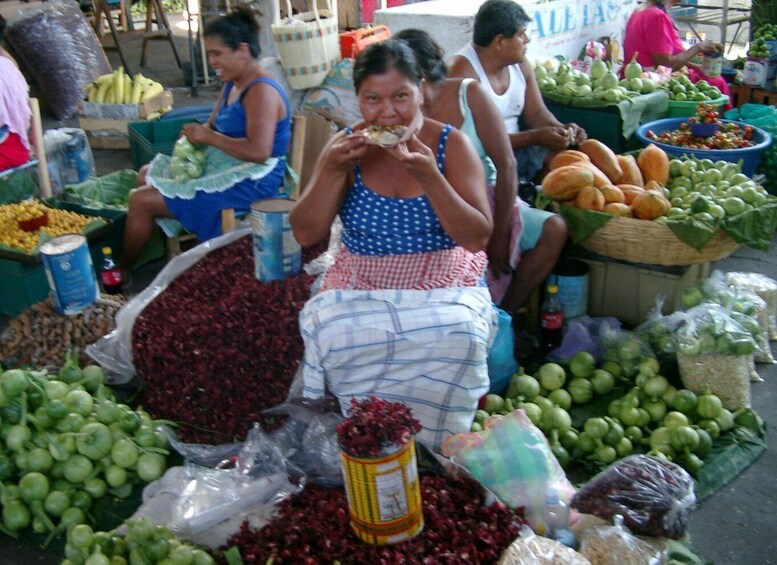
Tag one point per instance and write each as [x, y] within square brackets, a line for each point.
[511, 102]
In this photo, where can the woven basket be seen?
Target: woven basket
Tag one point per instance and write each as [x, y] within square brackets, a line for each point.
[308, 50]
[643, 241]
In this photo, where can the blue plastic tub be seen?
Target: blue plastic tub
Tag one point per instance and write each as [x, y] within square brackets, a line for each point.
[750, 156]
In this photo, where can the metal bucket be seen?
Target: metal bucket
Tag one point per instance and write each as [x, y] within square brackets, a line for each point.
[384, 495]
[70, 273]
[277, 254]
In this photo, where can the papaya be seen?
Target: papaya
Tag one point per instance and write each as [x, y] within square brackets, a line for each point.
[630, 192]
[567, 157]
[565, 182]
[590, 198]
[653, 185]
[649, 205]
[600, 179]
[618, 209]
[612, 194]
[631, 172]
[604, 158]
[653, 162]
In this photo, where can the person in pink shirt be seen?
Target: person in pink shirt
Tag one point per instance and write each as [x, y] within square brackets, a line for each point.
[651, 33]
[14, 111]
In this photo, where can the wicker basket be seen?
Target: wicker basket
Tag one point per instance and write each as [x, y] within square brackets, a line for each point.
[653, 243]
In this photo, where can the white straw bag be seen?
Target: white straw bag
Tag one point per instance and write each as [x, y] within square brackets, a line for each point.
[309, 47]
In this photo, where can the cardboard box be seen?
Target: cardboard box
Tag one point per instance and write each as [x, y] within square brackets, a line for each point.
[757, 71]
[106, 125]
[628, 291]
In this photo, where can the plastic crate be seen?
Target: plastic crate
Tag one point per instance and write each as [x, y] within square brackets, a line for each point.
[687, 108]
[149, 138]
[604, 124]
[21, 286]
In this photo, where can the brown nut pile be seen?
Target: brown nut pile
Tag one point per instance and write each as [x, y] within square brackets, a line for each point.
[40, 336]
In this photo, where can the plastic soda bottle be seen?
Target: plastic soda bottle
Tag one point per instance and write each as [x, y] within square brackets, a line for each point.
[110, 274]
[555, 518]
[551, 319]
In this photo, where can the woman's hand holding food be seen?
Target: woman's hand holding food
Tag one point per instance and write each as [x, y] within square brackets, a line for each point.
[416, 158]
[197, 133]
[344, 152]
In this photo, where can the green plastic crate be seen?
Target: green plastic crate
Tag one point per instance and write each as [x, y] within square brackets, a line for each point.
[687, 108]
[21, 286]
[149, 138]
[604, 124]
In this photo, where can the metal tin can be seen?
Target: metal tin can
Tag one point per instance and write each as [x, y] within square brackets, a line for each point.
[70, 272]
[712, 66]
[384, 495]
[277, 254]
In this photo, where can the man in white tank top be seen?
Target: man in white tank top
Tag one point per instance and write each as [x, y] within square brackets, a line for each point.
[496, 58]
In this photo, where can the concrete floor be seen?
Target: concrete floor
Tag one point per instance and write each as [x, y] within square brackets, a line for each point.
[734, 526]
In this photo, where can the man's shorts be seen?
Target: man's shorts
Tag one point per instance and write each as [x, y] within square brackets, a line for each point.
[530, 160]
[533, 221]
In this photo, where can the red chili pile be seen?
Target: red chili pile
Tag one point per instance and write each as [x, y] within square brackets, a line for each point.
[374, 424]
[313, 527]
[218, 346]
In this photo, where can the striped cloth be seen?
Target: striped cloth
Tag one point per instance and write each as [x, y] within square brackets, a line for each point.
[426, 348]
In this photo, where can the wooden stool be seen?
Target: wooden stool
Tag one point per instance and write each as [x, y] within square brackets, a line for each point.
[163, 32]
[103, 9]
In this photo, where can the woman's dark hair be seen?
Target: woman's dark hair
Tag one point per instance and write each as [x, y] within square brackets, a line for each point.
[378, 58]
[2, 28]
[498, 17]
[239, 26]
[427, 52]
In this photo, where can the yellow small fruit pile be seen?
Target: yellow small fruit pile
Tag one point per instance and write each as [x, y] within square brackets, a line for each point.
[60, 222]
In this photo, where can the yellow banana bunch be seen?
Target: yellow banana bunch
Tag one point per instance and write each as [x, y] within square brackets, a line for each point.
[118, 88]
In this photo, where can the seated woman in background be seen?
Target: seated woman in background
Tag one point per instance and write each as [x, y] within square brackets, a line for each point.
[651, 33]
[403, 313]
[526, 242]
[250, 122]
[14, 111]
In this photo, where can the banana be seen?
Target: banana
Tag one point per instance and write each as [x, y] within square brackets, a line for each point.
[102, 91]
[152, 91]
[91, 92]
[118, 86]
[99, 81]
[137, 88]
[128, 84]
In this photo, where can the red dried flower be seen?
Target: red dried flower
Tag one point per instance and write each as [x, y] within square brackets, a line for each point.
[373, 425]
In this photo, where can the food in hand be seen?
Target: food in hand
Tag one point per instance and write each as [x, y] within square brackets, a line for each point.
[386, 136]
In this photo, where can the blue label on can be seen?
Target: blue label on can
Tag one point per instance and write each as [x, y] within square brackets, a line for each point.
[277, 254]
[70, 273]
[573, 294]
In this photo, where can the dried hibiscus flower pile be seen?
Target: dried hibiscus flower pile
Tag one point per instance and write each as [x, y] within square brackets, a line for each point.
[313, 527]
[218, 346]
[374, 424]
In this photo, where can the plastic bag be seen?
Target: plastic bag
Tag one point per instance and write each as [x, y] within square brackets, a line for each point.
[214, 495]
[501, 358]
[655, 497]
[531, 549]
[660, 332]
[114, 351]
[513, 459]
[584, 334]
[69, 156]
[58, 47]
[764, 287]
[614, 545]
[625, 348]
[714, 352]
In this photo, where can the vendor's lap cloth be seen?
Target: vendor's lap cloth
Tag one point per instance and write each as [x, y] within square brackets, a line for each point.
[221, 171]
[426, 348]
[633, 111]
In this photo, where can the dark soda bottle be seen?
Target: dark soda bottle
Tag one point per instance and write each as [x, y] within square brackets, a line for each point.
[551, 319]
[110, 274]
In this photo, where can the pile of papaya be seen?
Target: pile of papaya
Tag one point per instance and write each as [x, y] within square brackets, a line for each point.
[593, 177]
